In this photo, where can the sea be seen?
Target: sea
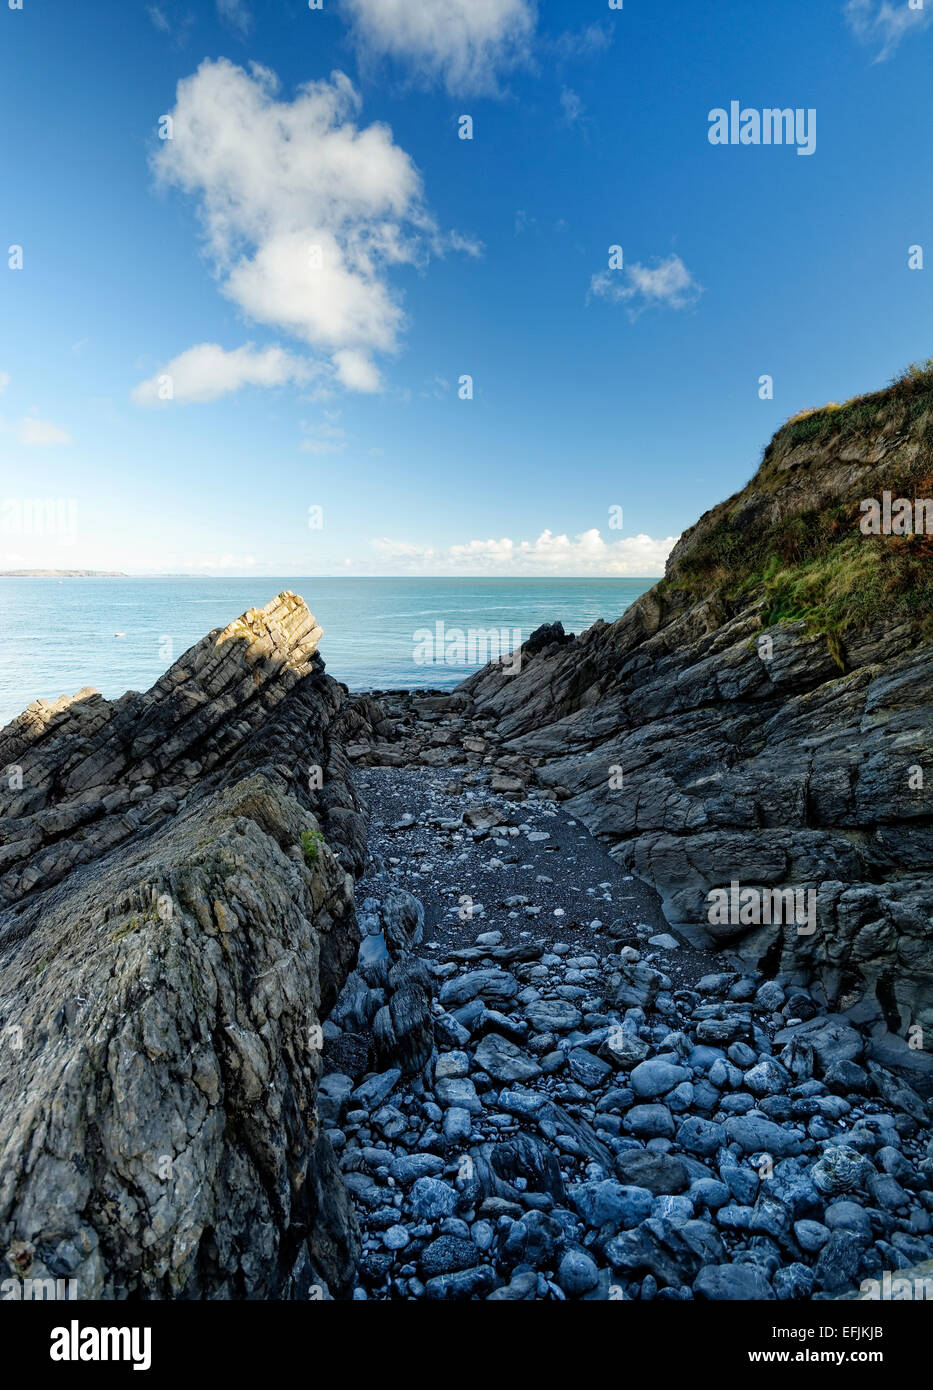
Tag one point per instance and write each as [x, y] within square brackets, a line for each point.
[119, 634]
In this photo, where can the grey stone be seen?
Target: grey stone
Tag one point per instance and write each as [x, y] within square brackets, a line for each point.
[699, 1136]
[459, 1092]
[755, 1135]
[848, 1216]
[462, 1286]
[609, 1205]
[811, 1235]
[451, 1065]
[577, 1273]
[431, 1199]
[489, 984]
[374, 1089]
[733, 1282]
[650, 1122]
[662, 1174]
[656, 1077]
[587, 1068]
[406, 1168]
[448, 1255]
[457, 1124]
[504, 1061]
[553, 1016]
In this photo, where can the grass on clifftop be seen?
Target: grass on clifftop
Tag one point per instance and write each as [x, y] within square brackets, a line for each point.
[912, 390]
[816, 565]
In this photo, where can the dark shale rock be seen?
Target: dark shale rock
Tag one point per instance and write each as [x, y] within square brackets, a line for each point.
[788, 769]
[169, 952]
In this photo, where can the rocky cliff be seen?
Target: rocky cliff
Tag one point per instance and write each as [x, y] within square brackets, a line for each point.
[764, 716]
[217, 1082]
[176, 875]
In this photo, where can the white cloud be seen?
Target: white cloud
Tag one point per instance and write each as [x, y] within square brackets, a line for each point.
[159, 19]
[355, 371]
[173, 18]
[435, 389]
[327, 436]
[304, 212]
[668, 283]
[236, 14]
[466, 43]
[207, 372]
[884, 24]
[586, 554]
[572, 107]
[32, 430]
[577, 44]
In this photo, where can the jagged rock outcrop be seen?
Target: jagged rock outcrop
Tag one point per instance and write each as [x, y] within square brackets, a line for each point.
[83, 774]
[705, 755]
[178, 922]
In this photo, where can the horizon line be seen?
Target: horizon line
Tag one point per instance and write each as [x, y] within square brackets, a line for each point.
[597, 579]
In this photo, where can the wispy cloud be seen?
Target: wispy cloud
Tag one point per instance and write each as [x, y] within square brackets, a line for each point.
[572, 108]
[668, 284]
[159, 18]
[882, 25]
[207, 372]
[575, 45]
[174, 19]
[586, 554]
[236, 13]
[466, 44]
[326, 436]
[33, 431]
[436, 389]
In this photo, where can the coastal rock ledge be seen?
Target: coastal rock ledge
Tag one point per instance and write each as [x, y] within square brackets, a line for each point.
[178, 922]
[764, 716]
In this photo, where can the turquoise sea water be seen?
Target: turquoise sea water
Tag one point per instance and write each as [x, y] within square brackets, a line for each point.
[60, 635]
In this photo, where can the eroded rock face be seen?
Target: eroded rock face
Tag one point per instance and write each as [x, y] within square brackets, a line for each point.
[168, 953]
[85, 774]
[704, 756]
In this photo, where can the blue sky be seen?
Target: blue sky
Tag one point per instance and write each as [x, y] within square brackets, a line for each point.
[336, 384]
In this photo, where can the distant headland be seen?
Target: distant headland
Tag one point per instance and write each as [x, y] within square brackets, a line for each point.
[62, 574]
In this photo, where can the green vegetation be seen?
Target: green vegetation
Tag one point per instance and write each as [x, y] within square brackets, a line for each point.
[912, 390]
[816, 565]
[132, 925]
[311, 842]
